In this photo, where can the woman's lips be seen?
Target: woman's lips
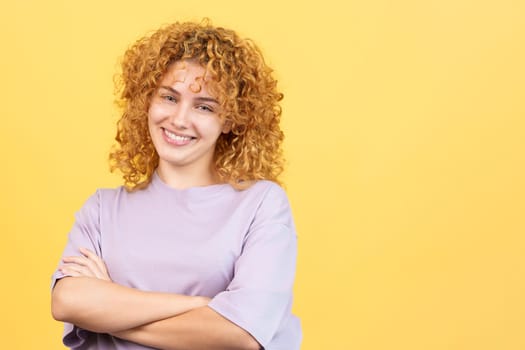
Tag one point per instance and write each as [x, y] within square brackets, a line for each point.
[176, 139]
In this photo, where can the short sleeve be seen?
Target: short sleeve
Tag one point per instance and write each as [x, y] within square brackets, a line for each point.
[84, 233]
[259, 297]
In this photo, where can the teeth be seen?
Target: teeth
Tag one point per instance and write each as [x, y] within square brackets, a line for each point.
[174, 137]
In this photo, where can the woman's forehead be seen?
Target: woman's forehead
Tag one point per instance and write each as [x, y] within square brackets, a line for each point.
[180, 71]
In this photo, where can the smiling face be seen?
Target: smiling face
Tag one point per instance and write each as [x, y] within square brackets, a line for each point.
[184, 123]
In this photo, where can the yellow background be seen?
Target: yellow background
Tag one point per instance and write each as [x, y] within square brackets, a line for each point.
[405, 127]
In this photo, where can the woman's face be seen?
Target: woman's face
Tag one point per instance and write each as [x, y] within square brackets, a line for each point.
[183, 120]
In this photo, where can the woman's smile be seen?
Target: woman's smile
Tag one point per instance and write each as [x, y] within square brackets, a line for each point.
[177, 139]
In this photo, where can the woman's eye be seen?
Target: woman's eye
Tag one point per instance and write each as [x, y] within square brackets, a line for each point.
[205, 108]
[169, 98]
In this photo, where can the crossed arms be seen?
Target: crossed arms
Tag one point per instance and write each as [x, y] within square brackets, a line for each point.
[89, 299]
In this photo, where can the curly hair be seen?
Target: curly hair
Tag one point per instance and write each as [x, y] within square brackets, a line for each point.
[242, 83]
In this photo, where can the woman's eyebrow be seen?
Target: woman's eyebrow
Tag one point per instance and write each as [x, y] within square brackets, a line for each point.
[170, 89]
[207, 99]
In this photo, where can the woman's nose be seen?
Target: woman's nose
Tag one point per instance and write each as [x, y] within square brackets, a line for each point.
[179, 116]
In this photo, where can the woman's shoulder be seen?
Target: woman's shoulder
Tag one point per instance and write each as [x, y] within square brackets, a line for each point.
[267, 193]
[263, 185]
[267, 187]
[104, 195]
[259, 190]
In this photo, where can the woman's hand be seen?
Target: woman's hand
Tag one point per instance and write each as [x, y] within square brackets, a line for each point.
[88, 265]
[93, 302]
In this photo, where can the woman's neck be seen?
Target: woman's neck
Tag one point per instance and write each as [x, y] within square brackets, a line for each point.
[181, 178]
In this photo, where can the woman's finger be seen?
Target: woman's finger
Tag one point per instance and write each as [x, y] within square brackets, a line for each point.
[102, 271]
[79, 260]
[84, 261]
[76, 270]
[70, 273]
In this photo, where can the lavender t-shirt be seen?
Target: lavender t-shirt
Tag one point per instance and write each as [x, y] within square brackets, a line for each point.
[237, 247]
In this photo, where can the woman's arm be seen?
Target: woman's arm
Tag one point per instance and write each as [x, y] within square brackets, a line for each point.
[104, 307]
[90, 300]
[201, 328]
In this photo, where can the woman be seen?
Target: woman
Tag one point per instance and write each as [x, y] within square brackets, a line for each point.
[197, 250]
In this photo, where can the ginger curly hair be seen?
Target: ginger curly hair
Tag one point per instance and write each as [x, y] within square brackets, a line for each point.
[242, 83]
